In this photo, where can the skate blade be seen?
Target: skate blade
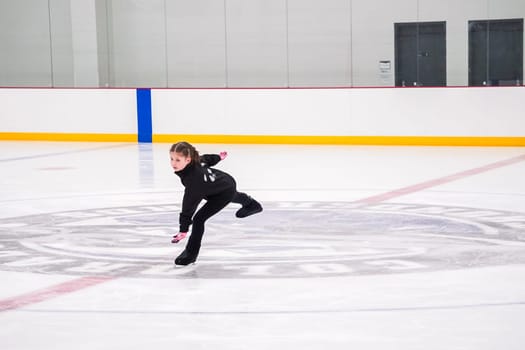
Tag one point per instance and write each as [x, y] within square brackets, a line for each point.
[188, 267]
[190, 264]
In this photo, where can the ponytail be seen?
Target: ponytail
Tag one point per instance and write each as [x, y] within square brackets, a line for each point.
[187, 150]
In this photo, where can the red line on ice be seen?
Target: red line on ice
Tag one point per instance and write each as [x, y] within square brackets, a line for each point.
[439, 181]
[51, 292]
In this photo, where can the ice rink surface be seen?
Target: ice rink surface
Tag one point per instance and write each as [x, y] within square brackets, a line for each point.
[357, 248]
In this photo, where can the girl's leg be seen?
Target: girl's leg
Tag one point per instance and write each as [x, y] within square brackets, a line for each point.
[241, 198]
[249, 205]
[212, 206]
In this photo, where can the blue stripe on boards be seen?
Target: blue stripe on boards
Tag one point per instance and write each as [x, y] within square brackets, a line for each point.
[144, 115]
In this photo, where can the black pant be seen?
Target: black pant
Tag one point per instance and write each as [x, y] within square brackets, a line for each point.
[213, 205]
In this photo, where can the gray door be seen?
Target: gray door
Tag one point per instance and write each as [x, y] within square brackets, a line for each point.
[420, 50]
[496, 52]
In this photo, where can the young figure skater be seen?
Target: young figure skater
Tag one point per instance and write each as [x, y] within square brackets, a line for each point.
[203, 182]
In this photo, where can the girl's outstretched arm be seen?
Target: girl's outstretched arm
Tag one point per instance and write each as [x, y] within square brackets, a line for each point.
[212, 159]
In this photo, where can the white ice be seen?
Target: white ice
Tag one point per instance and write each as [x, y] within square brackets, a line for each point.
[443, 267]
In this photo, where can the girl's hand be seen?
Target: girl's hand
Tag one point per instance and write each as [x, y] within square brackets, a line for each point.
[223, 154]
[179, 237]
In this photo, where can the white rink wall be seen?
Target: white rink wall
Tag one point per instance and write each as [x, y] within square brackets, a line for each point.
[355, 112]
[104, 111]
[488, 111]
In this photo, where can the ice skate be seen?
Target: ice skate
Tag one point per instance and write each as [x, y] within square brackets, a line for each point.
[253, 207]
[185, 258]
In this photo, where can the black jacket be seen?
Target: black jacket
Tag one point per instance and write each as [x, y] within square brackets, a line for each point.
[200, 182]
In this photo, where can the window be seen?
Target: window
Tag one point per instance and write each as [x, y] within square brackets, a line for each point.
[420, 51]
[496, 52]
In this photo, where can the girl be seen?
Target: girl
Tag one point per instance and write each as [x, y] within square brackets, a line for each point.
[202, 182]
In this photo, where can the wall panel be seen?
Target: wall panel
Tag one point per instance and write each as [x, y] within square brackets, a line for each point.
[196, 43]
[319, 42]
[61, 43]
[256, 43]
[137, 41]
[25, 43]
[373, 38]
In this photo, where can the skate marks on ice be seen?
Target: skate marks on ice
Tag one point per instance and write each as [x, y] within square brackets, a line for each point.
[289, 239]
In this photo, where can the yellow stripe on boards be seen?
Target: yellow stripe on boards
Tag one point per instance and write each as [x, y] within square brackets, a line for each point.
[81, 137]
[480, 141]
